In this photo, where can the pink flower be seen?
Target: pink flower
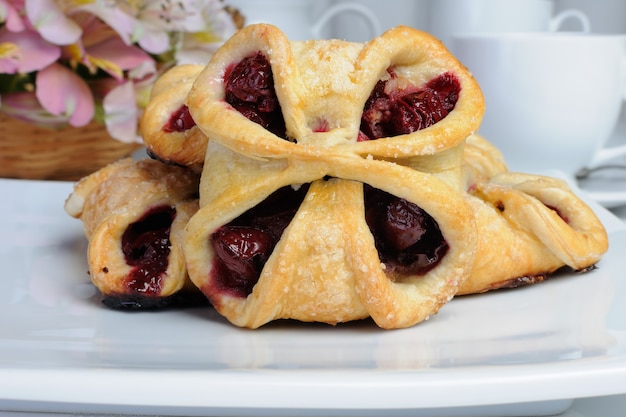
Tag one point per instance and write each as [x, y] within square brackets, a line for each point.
[49, 19]
[199, 40]
[9, 58]
[63, 93]
[101, 48]
[11, 16]
[118, 19]
[26, 107]
[74, 61]
[29, 51]
[121, 112]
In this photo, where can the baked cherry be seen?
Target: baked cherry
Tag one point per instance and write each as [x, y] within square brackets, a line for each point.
[242, 252]
[390, 112]
[243, 246]
[146, 247]
[180, 120]
[403, 224]
[249, 89]
[408, 240]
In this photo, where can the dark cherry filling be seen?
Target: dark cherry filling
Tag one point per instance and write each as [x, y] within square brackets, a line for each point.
[559, 213]
[241, 252]
[146, 247]
[243, 246]
[408, 239]
[179, 121]
[390, 112]
[249, 89]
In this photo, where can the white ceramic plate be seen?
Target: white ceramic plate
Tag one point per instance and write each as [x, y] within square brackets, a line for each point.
[523, 352]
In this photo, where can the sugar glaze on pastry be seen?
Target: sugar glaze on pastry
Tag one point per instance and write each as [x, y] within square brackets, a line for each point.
[134, 213]
[306, 126]
[531, 225]
[168, 130]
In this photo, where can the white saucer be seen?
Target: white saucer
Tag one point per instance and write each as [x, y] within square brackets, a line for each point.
[607, 187]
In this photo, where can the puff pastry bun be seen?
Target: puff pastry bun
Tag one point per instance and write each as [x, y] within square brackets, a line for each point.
[530, 225]
[134, 214]
[168, 130]
[312, 145]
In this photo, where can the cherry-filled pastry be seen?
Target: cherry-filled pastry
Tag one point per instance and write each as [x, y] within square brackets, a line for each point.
[339, 181]
[134, 214]
[168, 131]
[528, 226]
[332, 188]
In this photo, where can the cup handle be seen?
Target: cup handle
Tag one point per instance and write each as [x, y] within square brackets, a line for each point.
[557, 21]
[370, 17]
[606, 154]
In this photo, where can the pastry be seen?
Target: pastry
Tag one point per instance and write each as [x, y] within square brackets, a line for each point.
[171, 134]
[340, 181]
[134, 213]
[307, 251]
[530, 225]
[168, 130]
[332, 184]
[481, 160]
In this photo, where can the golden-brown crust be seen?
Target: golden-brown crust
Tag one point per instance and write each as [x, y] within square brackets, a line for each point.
[168, 96]
[332, 213]
[214, 115]
[530, 225]
[337, 98]
[418, 57]
[328, 245]
[481, 160]
[119, 195]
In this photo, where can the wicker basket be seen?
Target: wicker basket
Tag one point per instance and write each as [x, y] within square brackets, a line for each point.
[31, 152]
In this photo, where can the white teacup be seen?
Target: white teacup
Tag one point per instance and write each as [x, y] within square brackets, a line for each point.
[452, 17]
[295, 17]
[552, 99]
